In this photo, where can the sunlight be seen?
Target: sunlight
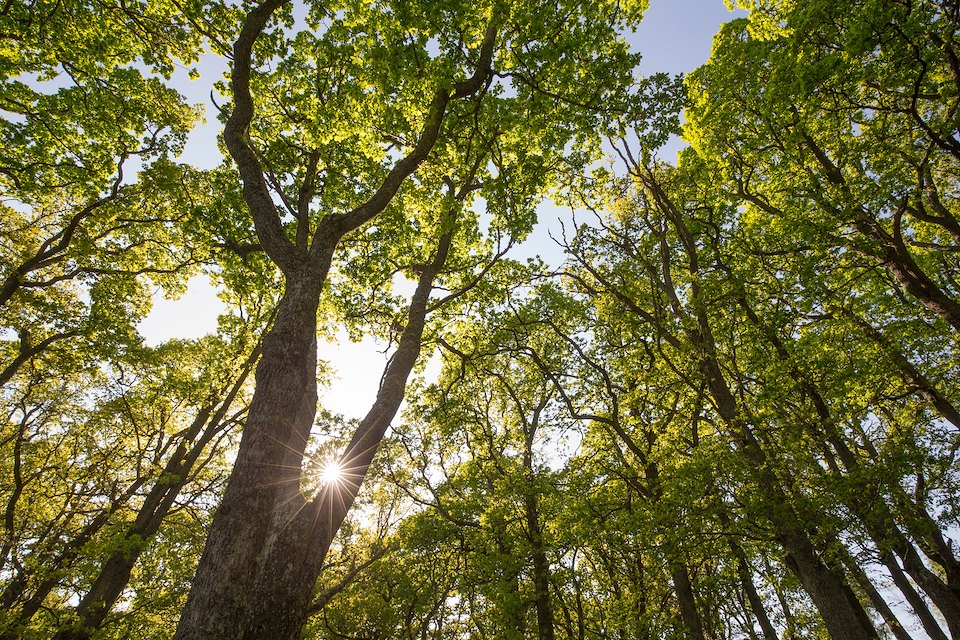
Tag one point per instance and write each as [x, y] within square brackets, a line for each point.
[331, 473]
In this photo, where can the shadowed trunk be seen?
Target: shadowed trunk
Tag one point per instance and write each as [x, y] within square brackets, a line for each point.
[756, 602]
[268, 542]
[263, 492]
[876, 515]
[914, 599]
[876, 598]
[688, 604]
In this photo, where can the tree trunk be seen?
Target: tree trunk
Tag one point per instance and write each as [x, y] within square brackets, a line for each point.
[688, 604]
[842, 613]
[541, 571]
[916, 602]
[263, 493]
[876, 515]
[267, 543]
[875, 597]
[941, 595]
[926, 389]
[756, 603]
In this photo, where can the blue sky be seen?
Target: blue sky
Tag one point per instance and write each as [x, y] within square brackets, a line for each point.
[676, 35]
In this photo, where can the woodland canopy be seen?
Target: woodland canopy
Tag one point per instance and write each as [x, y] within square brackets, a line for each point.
[731, 412]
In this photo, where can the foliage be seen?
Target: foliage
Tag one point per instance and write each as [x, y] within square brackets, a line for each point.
[732, 412]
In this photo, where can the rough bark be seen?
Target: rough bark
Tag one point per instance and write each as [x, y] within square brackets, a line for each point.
[268, 542]
[263, 492]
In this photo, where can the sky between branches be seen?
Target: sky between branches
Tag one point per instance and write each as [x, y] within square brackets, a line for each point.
[674, 37]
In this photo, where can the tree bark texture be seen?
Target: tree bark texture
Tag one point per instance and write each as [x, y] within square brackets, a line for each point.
[263, 493]
[688, 603]
[268, 542]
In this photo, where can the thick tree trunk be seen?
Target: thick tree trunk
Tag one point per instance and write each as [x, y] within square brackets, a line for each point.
[842, 613]
[267, 543]
[263, 493]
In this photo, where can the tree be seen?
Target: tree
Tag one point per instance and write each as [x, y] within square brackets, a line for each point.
[432, 84]
[835, 135]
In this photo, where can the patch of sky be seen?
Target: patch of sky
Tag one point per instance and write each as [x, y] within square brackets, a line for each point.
[676, 37]
[202, 149]
[192, 315]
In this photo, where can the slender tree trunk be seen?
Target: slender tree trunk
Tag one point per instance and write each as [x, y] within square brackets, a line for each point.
[756, 602]
[929, 538]
[892, 253]
[916, 602]
[925, 387]
[941, 595]
[876, 515]
[876, 599]
[688, 603]
[541, 570]
[842, 613]
[67, 553]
